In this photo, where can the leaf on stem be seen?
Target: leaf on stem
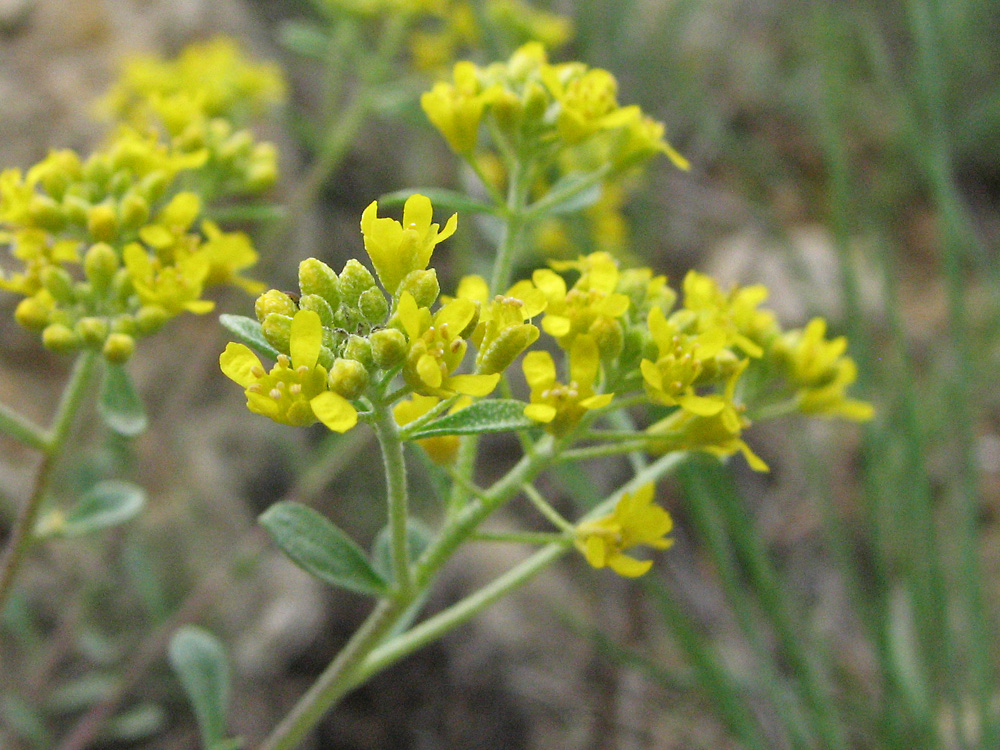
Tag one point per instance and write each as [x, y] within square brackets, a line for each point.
[418, 536]
[320, 548]
[120, 405]
[106, 504]
[495, 415]
[303, 38]
[573, 192]
[247, 331]
[199, 659]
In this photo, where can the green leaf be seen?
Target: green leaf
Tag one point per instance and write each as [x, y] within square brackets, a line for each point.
[418, 536]
[573, 192]
[120, 406]
[495, 415]
[137, 723]
[104, 505]
[442, 200]
[320, 548]
[247, 331]
[199, 659]
[302, 38]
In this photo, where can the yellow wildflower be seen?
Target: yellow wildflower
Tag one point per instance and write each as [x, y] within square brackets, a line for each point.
[228, 253]
[502, 333]
[635, 521]
[295, 391]
[174, 287]
[457, 109]
[561, 407]
[397, 249]
[735, 313]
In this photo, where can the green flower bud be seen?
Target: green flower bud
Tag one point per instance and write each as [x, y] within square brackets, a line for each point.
[125, 324]
[60, 338]
[46, 213]
[102, 222]
[92, 331]
[326, 357]
[360, 349]
[273, 301]
[355, 279]
[133, 211]
[388, 347]
[507, 111]
[235, 147]
[609, 336]
[374, 306]
[154, 185]
[316, 277]
[320, 306]
[120, 182]
[99, 264]
[536, 102]
[75, 209]
[150, 318]
[349, 378]
[263, 171]
[122, 285]
[59, 284]
[118, 348]
[505, 348]
[277, 329]
[97, 169]
[423, 285]
[32, 313]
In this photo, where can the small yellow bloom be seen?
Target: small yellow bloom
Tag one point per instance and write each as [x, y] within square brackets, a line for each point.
[561, 407]
[502, 333]
[295, 391]
[456, 109]
[636, 520]
[735, 313]
[228, 253]
[174, 287]
[397, 249]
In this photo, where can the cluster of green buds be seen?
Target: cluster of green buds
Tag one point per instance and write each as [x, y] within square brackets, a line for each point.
[113, 245]
[554, 115]
[201, 103]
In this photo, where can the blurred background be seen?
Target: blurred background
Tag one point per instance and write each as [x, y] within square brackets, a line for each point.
[845, 154]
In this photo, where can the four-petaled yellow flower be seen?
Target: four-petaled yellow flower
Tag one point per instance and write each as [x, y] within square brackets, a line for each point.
[295, 391]
[502, 333]
[397, 249]
[636, 520]
[561, 407]
[457, 109]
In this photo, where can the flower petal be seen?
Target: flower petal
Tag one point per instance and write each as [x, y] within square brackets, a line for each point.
[305, 339]
[237, 363]
[335, 411]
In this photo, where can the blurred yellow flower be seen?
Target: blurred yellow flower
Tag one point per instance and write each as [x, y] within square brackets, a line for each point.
[636, 520]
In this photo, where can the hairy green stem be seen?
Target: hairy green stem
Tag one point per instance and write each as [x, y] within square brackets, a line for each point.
[21, 536]
[395, 479]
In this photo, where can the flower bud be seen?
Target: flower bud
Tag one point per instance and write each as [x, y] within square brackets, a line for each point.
[32, 313]
[133, 210]
[359, 348]
[124, 324]
[99, 264]
[388, 347]
[318, 305]
[150, 318]
[507, 346]
[46, 213]
[316, 277]
[277, 329]
[536, 102]
[118, 348]
[423, 285]
[97, 169]
[355, 279]
[507, 111]
[273, 301]
[154, 185]
[609, 336]
[374, 306]
[59, 338]
[102, 223]
[348, 377]
[239, 145]
[75, 209]
[59, 284]
[92, 331]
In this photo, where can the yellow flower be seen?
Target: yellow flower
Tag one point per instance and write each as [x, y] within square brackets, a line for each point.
[397, 249]
[502, 333]
[457, 109]
[228, 253]
[681, 365]
[735, 313]
[636, 520]
[561, 407]
[442, 449]
[174, 287]
[436, 349]
[295, 391]
[821, 372]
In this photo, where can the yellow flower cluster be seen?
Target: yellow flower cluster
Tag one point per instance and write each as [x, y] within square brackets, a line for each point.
[540, 111]
[635, 521]
[113, 245]
[202, 102]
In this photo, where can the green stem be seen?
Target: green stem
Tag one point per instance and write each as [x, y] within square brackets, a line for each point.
[395, 477]
[55, 442]
[554, 517]
[603, 451]
[518, 537]
[22, 430]
[541, 206]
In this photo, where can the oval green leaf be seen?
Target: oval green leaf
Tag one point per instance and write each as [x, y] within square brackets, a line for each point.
[199, 659]
[120, 405]
[495, 415]
[247, 331]
[104, 505]
[418, 536]
[320, 548]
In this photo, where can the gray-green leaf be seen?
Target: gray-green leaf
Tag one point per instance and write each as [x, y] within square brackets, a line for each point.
[120, 406]
[418, 536]
[104, 505]
[247, 330]
[573, 192]
[320, 548]
[495, 415]
[199, 659]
